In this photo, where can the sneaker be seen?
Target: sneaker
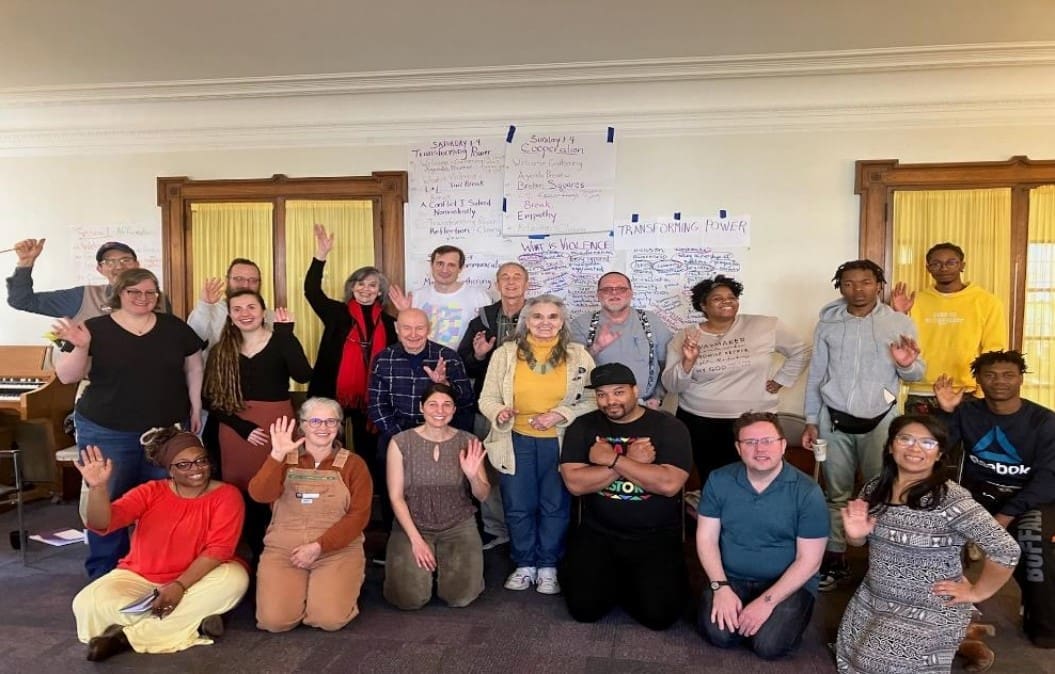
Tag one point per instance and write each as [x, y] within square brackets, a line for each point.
[832, 574]
[521, 579]
[547, 581]
[492, 541]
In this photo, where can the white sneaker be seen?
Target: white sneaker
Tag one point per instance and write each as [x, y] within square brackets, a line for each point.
[521, 579]
[547, 581]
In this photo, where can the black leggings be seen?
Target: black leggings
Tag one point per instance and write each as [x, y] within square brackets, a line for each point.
[713, 444]
[1036, 573]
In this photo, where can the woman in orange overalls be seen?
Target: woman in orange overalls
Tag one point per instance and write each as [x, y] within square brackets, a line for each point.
[320, 494]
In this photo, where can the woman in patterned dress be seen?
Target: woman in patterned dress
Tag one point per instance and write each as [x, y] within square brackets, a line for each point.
[913, 608]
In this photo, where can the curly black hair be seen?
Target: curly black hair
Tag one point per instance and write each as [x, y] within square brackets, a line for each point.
[992, 357]
[866, 265]
[701, 290]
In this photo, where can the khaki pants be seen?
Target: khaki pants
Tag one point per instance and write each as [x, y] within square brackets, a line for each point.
[459, 567]
[98, 605]
[325, 596]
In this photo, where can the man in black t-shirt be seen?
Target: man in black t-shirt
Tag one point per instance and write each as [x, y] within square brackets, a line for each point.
[628, 465]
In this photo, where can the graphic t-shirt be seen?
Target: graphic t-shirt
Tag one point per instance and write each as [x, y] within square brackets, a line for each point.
[623, 507]
[450, 313]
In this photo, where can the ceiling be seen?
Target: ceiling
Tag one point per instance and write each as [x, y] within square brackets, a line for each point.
[56, 43]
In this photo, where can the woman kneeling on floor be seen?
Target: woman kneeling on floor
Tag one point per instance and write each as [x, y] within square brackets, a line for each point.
[313, 564]
[431, 470]
[182, 553]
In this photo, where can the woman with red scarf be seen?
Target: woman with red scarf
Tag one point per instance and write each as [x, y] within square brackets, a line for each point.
[355, 330]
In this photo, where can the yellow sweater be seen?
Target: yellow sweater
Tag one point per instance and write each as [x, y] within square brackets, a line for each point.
[954, 328]
[538, 390]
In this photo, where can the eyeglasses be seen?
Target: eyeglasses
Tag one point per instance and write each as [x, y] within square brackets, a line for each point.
[116, 261]
[947, 264]
[137, 294]
[614, 290]
[316, 422]
[905, 440]
[244, 280]
[755, 442]
[200, 462]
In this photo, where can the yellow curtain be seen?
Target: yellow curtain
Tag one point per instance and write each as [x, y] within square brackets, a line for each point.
[979, 221]
[1038, 326]
[222, 232]
[352, 224]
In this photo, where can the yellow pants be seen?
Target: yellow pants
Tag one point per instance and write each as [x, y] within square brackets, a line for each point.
[325, 596]
[98, 605]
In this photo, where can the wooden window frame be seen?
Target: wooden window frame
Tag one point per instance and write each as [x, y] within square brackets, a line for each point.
[387, 190]
[877, 179]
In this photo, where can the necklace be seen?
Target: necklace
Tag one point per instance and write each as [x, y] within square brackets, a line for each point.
[135, 327]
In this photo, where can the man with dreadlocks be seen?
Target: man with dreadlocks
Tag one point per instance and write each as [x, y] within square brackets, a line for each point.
[862, 350]
[1009, 467]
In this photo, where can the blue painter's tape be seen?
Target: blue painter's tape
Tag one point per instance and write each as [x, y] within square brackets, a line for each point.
[611, 134]
[511, 133]
[537, 237]
[503, 204]
[633, 217]
[721, 213]
[677, 215]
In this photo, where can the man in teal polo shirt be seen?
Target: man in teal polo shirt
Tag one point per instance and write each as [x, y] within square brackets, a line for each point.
[761, 532]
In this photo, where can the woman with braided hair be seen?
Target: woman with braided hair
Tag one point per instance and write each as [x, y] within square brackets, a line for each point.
[182, 553]
[246, 390]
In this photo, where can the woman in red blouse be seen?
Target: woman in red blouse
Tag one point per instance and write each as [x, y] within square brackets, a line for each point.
[183, 551]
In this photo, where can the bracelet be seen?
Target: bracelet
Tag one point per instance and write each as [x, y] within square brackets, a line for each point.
[614, 461]
[182, 586]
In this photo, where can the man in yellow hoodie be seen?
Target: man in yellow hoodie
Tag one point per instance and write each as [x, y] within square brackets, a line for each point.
[957, 321]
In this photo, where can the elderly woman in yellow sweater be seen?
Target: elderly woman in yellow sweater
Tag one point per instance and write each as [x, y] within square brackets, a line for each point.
[535, 387]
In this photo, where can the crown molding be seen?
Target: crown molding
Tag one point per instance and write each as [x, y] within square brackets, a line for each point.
[1033, 111]
[892, 59]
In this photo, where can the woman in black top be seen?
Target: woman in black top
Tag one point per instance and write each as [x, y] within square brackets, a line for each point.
[355, 330]
[146, 371]
[247, 389]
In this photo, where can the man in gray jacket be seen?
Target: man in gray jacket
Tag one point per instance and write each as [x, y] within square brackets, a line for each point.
[862, 350]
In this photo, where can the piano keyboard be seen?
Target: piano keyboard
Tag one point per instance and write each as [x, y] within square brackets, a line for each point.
[12, 388]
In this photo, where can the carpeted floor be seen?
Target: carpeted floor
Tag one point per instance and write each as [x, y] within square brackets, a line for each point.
[502, 632]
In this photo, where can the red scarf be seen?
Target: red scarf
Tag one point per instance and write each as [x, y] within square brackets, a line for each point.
[353, 371]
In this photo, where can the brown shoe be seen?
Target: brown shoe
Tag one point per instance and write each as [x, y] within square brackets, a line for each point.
[108, 644]
[212, 626]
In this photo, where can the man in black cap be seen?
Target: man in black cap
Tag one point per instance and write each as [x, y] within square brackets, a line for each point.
[79, 303]
[628, 464]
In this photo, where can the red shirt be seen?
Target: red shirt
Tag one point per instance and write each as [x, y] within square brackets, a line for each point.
[172, 531]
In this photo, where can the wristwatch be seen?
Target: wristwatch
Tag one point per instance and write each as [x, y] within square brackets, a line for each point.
[715, 584]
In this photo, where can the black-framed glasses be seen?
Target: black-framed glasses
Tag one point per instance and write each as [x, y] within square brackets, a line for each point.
[138, 294]
[200, 462]
[316, 422]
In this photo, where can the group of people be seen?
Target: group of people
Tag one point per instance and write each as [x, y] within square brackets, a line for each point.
[477, 422]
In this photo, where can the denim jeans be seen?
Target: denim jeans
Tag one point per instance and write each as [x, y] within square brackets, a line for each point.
[537, 506]
[848, 454]
[778, 636]
[130, 468]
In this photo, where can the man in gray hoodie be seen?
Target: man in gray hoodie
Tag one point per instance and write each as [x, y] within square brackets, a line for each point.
[862, 350]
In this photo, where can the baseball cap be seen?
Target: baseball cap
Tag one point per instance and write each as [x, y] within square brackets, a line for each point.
[113, 245]
[611, 373]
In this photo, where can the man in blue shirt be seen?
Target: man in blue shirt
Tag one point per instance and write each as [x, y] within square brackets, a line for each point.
[760, 536]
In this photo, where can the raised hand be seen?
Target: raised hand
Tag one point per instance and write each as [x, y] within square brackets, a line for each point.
[905, 351]
[400, 300]
[900, 299]
[437, 374]
[641, 450]
[605, 336]
[948, 397]
[471, 458]
[482, 345]
[282, 442]
[857, 523]
[690, 350]
[323, 242]
[94, 467]
[28, 251]
[212, 290]
[72, 331]
[283, 315]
